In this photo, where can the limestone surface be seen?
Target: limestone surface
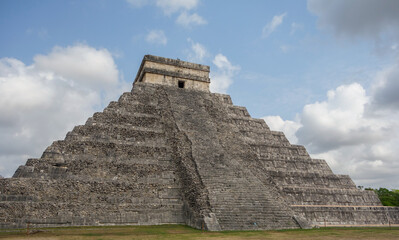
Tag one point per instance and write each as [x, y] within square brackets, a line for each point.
[167, 153]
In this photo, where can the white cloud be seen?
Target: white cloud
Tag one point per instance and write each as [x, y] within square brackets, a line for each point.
[374, 165]
[187, 20]
[353, 135]
[222, 62]
[276, 123]
[39, 103]
[168, 6]
[222, 78]
[197, 53]
[172, 6]
[386, 89]
[272, 25]
[364, 142]
[156, 37]
[369, 19]
[340, 121]
[84, 68]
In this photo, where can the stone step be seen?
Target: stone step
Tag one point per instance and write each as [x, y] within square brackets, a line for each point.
[132, 103]
[290, 170]
[224, 215]
[131, 108]
[350, 215]
[131, 169]
[238, 111]
[124, 127]
[296, 165]
[268, 149]
[304, 179]
[138, 95]
[135, 107]
[137, 141]
[142, 120]
[238, 199]
[114, 132]
[104, 149]
[249, 124]
[127, 114]
[153, 192]
[269, 137]
[249, 210]
[100, 169]
[225, 99]
[330, 196]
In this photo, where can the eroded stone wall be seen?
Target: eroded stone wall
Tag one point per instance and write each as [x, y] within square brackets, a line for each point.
[161, 154]
[170, 72]
[158, 78]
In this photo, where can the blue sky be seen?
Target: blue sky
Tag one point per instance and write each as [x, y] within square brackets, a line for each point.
[324, 72]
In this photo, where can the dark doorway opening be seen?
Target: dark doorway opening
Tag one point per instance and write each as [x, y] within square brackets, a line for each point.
[181, 84]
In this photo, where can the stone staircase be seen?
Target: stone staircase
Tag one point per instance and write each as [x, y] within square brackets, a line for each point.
[237, 197]
[162, 154]
[308, 185]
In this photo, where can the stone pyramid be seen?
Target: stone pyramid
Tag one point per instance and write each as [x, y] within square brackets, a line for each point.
[171, 152]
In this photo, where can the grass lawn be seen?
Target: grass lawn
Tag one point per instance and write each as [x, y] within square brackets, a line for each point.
[184, 232]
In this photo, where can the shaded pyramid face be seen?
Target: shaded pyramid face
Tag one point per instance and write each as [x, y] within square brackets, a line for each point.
[170, 151]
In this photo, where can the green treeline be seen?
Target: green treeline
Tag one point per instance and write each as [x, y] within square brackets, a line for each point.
[387, 197]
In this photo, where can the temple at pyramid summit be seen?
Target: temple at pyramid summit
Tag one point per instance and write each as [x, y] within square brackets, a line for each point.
[172, 152]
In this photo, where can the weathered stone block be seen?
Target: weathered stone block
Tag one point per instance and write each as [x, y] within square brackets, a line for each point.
[171, 152]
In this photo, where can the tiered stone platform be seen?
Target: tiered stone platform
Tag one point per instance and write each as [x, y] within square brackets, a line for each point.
[170, 151]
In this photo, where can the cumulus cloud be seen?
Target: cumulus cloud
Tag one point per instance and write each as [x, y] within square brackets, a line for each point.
[272, 25]
[156, 37]
[40, 102]
[340, 121]
[222, 78]
[288, 127]
[374, 165]
[187, 20]
[386, 89]
[373, 19]
[197, 52]
[358, 130]
[348, 131]
[84, 68]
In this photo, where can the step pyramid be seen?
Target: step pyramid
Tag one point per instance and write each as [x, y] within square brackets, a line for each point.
[171, 152]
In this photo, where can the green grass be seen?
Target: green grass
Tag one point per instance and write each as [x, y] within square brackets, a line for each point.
[184, 232]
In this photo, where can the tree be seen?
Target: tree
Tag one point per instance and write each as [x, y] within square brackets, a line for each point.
[387, 197]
